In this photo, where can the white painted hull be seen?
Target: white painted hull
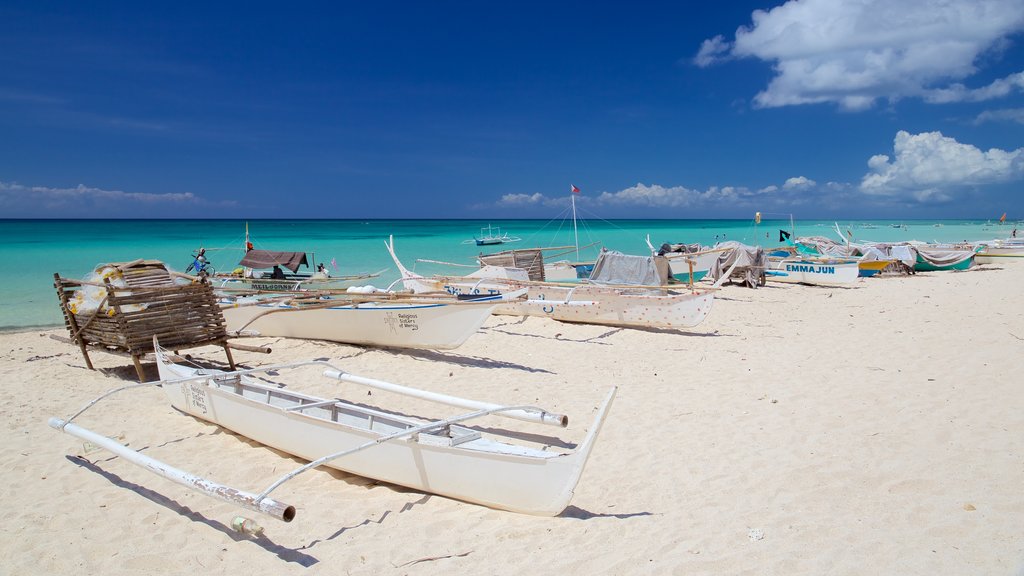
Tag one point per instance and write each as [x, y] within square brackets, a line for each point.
[560, 272]
[588, 304]
[814, 272]
[1000, 255]
[679, 264]
[584, 303]
[457, 462]
[429, 326]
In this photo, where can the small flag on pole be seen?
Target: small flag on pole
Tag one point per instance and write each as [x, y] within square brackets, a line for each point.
[574, 189]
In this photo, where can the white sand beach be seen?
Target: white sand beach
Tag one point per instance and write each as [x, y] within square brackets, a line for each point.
[799, 430]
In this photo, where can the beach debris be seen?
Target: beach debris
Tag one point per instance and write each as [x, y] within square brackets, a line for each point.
[248, 526]
[969, 507]
[755, 534]
[434, 558]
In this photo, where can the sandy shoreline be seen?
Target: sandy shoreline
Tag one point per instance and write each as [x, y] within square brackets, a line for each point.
[871, 430]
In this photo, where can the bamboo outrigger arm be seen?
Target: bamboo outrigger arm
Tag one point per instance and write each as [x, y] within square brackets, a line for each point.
[257, 503]
[261, 502]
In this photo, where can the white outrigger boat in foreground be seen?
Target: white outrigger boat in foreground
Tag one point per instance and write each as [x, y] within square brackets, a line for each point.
[369, 320]
[438, 457]
[633, 306]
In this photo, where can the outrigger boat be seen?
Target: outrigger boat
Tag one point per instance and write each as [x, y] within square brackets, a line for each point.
[380, 319]
[261, 271]
[439, 457]
[817, 271]
[611, 305]
[1001, 251]
[257, 274]
[688, 261]
[491, 237]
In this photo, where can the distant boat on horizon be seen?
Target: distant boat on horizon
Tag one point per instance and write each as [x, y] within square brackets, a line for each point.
[492, 236]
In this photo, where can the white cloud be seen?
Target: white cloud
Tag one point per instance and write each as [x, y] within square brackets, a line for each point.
[930, 167]
[84, 201]
[521, 199]
[1005, 115]
[643, 195]
[854, 52]
[711, 51]
[799, 183]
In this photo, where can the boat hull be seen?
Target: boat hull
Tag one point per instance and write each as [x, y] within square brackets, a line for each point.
[421, 326]
[869, 268]
[456, 462]
[924, 266]
[813, 272]
[1000, 255]
[679, 264]
[588, 304]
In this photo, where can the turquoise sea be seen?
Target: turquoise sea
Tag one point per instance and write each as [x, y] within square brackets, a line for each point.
[33, 250]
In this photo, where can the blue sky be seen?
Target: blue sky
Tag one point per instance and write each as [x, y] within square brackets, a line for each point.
[819, 108]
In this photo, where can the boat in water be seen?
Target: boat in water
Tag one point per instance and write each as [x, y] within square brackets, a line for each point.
[490, 236]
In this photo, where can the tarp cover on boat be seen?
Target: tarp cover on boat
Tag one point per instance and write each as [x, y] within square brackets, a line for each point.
[667, 248]
[944, 258]
[269, 259]
[749, 264]
[826, 246]
[614, 267]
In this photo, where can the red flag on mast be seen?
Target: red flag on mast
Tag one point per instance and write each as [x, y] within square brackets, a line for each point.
[574, 189]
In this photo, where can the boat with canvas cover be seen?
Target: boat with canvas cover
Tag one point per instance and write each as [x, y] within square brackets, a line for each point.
[387, 320]
[278, 271]
[440, 457]
[264, 271]
[611, 304]
[688, 262]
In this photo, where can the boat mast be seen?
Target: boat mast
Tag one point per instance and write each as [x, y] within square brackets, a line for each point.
[575, 232]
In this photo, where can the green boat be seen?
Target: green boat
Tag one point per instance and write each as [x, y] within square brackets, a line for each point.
[930, 260]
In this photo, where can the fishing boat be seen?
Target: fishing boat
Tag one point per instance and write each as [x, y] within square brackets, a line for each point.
[261, 270]
[867, 268]
[1001, 251]
[439, 457]
[688, 262]
[611, 305]
[817, 271]
[368, 320]
[937, 258]
[492, 236]
[278, 271]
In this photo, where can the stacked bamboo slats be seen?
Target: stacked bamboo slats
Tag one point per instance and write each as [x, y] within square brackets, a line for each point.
[181, 316]
[529, 259]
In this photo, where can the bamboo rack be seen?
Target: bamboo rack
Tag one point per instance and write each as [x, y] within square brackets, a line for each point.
[182, 316]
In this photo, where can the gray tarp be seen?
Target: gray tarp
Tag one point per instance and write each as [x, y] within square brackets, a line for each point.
[667, 248]
[614, 267]
[269, 259]
[943, 258]
[749, 261]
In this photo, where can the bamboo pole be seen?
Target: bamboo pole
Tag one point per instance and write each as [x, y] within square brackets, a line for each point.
[541, 416]
[257, 503]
